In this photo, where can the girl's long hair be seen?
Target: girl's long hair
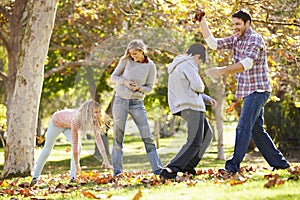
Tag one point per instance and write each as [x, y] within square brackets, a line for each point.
[136, 44]
[86, 119]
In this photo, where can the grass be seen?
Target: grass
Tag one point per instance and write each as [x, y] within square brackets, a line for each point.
[205, 186]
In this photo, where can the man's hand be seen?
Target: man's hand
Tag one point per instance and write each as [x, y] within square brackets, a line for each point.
[198, 15]
[214, 72]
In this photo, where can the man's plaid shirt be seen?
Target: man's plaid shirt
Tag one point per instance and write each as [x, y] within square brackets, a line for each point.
[250, 45]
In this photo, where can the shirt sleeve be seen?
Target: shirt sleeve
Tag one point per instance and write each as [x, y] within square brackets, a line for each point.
[247, 63]
[116, 76]
[225, 43]
[148, 86]
[211, 42]
[254, 47]
[206, 98]
[193, 77]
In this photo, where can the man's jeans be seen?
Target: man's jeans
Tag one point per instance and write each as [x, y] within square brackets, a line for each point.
[190, 150]
[250, 124]
[134, 107]
[51, 136]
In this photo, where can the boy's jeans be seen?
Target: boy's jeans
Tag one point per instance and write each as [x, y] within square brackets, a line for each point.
[191, 149]
[250, 124]
[134, 107]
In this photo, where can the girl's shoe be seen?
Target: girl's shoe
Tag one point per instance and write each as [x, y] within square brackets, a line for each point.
[33, 181]
[72, 180]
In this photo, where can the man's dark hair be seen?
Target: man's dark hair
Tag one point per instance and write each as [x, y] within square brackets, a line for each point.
[242, 15]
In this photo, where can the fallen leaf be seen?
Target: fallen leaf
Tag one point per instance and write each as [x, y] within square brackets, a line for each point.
[40, 139]
[88, 194]
[138, 195]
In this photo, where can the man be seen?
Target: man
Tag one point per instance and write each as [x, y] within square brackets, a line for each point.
[185, 99]
[253, 86]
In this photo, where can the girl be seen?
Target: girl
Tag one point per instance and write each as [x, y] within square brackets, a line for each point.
[135, 75]
[69, 122]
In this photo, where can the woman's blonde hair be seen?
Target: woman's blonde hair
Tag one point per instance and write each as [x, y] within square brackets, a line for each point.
[86, 119]
[136, 44]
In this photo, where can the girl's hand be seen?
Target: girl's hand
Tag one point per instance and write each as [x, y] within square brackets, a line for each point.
[106, 166]
[78, 169]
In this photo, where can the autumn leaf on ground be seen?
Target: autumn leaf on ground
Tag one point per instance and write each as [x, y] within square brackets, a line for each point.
[68, 149]
[138, 195]
[237, 182]
[88, 194]
[274, 180]
[26, 192]
[14, 182]
[40, 139]
[295, 173]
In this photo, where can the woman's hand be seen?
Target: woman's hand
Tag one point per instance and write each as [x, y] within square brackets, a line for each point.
[129, 84]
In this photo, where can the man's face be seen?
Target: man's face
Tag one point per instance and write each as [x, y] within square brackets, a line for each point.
[239, 26]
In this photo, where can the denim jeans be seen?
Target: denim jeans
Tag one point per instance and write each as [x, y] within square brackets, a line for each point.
[251, 124]
[134, 107]
[51, 135]
[190, 150]
[207, 138]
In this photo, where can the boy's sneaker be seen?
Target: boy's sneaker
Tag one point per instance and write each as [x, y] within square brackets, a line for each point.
[191, 171]
[165, 174]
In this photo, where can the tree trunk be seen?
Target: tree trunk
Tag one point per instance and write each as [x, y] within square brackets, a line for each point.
[219, 120]
[36, 31]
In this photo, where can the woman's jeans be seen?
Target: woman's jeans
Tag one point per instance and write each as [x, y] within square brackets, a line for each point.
[251, 124]
[134, 107]
[189, 154]
[51, 135]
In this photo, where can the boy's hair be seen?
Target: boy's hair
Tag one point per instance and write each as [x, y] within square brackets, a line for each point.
[197, 49]
[243, 15]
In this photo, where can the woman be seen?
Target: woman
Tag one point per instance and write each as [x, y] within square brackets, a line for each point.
[69, 122]
[135, 76]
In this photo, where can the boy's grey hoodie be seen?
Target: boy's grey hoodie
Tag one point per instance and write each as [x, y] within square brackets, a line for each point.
[185, 85]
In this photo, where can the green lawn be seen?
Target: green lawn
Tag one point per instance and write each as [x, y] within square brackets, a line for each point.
[208, 185]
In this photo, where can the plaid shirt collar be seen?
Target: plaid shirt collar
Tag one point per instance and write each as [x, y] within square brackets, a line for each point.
[246, 34]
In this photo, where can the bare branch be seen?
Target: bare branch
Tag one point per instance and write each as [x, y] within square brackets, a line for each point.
[3, 76]
[70, 64]
[4, 12]
[123, 11]
[4, 40]
[277, 23]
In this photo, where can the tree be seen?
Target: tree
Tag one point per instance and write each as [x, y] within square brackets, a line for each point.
[31, 26]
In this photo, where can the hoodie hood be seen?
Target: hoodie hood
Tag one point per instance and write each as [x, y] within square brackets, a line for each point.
[178, 60]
